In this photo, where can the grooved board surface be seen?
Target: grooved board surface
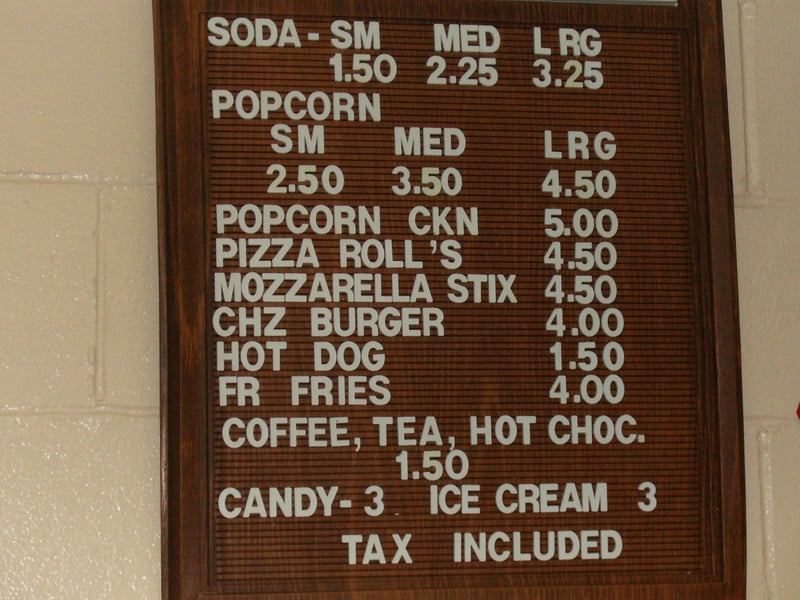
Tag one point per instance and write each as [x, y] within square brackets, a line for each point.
[457, 308]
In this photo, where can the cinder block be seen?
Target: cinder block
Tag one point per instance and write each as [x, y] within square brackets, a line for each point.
[48, 253]
[772, 447]
[786, 489]
[82, 101]
[80, 508]
[769, 285]
[778, 120]
[128, 367]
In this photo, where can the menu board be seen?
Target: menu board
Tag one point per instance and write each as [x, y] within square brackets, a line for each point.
[449, 301]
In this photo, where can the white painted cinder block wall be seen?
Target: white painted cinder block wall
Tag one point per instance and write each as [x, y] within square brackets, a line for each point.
[79, 423]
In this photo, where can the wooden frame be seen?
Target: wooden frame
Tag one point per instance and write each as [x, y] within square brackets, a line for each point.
[648, 108]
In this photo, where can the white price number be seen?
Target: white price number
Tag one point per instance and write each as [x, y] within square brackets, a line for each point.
[588, 256]
[578, 74]
[593, 389]
[584, 223]
[612, 355]
[364, 68]
[472, 71]
[587, 184]
[432, 181]
[587, 289]
[649, 503]
[455, 465]
[307, 181]
[591, 322]
[376, 509]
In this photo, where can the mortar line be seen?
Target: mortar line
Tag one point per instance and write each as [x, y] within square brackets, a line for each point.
[748, 14]
[101, 411]
[767, 512]
[100, 312]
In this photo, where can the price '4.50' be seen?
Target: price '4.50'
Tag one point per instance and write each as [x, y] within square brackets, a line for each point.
[587, 184]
